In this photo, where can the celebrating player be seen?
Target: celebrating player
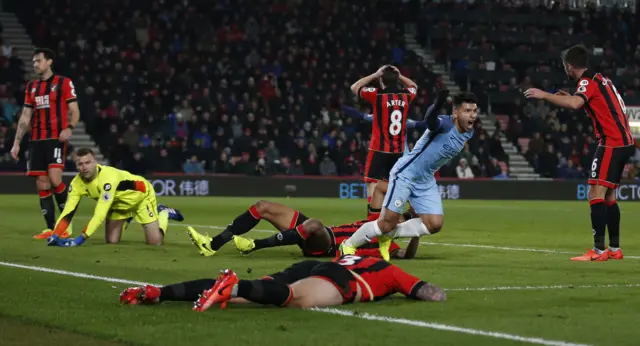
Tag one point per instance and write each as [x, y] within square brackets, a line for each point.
[600, 100]
[306, 284]
[390, 108]
[120, 196]
[311, 235]
[53, 97]
[412, 177]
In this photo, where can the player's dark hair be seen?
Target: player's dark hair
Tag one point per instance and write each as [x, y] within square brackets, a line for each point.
[576, 56]
[390, 77]
[46, 52]
[84, 152]
[464, 97]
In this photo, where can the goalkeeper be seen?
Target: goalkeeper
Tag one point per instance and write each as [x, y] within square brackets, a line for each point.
[121, 197]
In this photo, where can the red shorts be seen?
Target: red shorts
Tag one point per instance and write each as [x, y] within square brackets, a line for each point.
[608, 165]
[379, 165]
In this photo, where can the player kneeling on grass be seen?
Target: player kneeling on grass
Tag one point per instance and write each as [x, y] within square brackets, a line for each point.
[311, 235]
[121, 197]
[306, 284]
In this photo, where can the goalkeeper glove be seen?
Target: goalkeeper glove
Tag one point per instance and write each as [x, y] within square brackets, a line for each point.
[71, 242]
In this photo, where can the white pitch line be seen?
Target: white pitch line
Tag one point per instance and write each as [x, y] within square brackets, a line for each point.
[340, 312]
[532, 288]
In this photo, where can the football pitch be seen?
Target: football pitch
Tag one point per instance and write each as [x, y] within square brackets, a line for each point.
[505, 265]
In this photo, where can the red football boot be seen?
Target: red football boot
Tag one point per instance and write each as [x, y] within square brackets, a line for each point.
[219, 293]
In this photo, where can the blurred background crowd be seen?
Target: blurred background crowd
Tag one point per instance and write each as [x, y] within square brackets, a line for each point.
[256, 86]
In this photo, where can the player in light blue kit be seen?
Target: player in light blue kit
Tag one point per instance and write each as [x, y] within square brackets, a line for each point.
[412, 177]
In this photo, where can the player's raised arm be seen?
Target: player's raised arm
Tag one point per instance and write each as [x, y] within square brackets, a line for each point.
[355, 87]
[407, 82]
[431, 116]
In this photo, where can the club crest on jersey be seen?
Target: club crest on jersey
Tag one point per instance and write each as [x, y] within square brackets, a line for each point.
[53, 88]
[33, 90]
[398, 203]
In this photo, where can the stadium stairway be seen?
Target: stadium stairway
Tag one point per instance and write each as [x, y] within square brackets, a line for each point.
[15, 34]
[519, 167]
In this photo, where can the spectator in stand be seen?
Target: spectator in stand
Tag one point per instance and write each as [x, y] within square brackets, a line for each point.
[548, 162]
[327, 166]
[463, 170]
[193, 166]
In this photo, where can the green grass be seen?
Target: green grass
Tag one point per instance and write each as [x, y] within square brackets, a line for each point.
[38, 308]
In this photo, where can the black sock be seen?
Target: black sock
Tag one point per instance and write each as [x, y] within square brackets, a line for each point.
[598, 222]
[48, 208]
[60, 193]
[613, 224]
[284, 238]
[269, 292]
[240, 225]
[187, 291]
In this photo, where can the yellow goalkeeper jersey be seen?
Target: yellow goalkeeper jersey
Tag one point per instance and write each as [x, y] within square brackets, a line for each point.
[112, 188]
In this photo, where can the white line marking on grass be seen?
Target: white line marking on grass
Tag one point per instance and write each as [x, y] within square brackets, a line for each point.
[479, 246]
[550, 287]
[340, 312]
[445, 327]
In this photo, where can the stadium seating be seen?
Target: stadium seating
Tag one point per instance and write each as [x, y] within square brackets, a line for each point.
[257, 90]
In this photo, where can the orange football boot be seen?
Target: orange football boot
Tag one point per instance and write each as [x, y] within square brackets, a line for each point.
[592, 255]
[140, 295]
[48, 233]
[615, 255]
[219, 293]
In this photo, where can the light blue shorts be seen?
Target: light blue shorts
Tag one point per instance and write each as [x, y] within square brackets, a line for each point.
[424, 198]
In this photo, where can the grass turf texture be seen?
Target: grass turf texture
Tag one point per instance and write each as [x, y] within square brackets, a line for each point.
[61, 309]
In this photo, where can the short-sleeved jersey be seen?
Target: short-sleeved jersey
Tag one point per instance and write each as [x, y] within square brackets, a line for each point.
[390, 112]
[378, 278]
[607, 111]
[344, 232]
[432, 151]
[50, 101]
[112, 188]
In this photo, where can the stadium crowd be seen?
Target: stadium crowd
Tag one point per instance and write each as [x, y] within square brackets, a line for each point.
[196, 87]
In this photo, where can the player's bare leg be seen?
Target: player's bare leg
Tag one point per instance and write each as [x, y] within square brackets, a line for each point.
[113, 231]
[315, 292]
[372, 214]
[375, 205]
[280, 216]
[153, 233]
[312, 233]
[599, 218]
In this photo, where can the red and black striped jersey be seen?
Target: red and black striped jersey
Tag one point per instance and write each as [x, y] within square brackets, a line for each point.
[50, 100]
[390, 111]
[379, 278]
[607, 111]
[344, 232]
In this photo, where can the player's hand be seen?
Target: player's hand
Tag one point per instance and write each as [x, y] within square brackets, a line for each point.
[395, 69]
[15, 151]
[534, 93]
[380, 71]
[562, 93]
[65, 135]
[443, 93]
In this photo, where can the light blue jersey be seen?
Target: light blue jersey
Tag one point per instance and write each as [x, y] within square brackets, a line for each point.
[412, 177]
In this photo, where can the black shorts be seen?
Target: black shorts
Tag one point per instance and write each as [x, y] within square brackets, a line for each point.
[608, 164]
[332, 272]
[379, 165]
[46, 154]
[308, 247]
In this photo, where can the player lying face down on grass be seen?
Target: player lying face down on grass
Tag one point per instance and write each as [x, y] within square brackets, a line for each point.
[306, 284]
[311, 235]
[120, 197]
[412, 177]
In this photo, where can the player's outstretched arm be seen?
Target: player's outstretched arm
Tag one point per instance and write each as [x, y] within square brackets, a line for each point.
[560, 99]
[431, 116]
[70, 207]
[410, 251]
[354, 113]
